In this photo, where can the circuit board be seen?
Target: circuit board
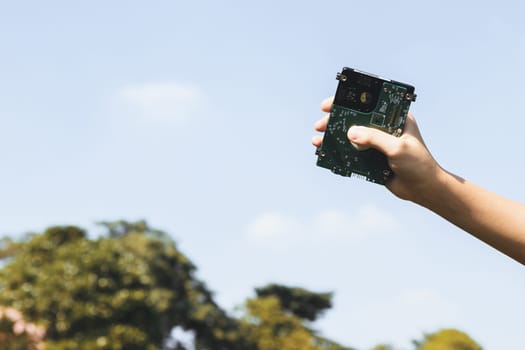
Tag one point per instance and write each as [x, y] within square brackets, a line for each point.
[369, 100]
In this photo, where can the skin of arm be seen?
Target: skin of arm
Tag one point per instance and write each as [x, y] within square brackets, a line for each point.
[494, 219]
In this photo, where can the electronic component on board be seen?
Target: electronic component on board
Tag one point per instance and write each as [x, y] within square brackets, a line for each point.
[363, 99]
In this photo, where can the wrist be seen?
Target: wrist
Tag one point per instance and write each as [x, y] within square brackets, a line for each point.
[434, 190]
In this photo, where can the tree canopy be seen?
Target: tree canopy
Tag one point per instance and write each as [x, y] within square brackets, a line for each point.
[124, 290]
[447, 339]
[300, 302]
[129, 288]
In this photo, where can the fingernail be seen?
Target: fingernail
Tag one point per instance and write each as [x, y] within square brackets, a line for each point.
[355, 132]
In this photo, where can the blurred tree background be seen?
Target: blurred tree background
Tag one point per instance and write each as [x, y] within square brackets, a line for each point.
[447, 339]
[130, 288]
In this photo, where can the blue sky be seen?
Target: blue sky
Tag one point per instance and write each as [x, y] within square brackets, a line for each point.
[197, 116]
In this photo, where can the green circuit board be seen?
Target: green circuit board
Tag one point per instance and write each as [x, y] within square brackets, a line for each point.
[375, 102]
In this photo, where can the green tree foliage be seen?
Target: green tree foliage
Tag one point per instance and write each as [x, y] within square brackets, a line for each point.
[447, 339]
[272, 327]
[300, 302]
[126, 290]
[383, 347]
[130, 287]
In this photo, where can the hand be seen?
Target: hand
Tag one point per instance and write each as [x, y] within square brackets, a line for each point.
[415, 170]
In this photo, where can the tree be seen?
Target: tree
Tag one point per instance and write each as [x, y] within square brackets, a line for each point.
[125, 291]
[273, 324]
[300, 302]
[383, 347]
[130, 288]
[447, 339]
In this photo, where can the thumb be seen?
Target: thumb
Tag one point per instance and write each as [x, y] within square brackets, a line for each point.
[364, 138]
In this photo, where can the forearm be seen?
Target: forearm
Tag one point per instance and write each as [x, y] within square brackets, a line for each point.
[496, 220]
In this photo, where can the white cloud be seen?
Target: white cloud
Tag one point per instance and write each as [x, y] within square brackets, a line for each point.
[160, 101]
[366, 221]
[274, 227]
[269, 226]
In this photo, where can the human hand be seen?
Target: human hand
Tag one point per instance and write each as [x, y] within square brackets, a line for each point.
[415, 170]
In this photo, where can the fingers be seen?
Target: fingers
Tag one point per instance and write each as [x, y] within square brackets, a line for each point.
[317, 140]
[320, 125]
[326, 105]
[363, 138]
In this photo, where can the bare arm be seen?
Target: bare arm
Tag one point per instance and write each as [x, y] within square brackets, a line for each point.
[490, 217]
[496, 220]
